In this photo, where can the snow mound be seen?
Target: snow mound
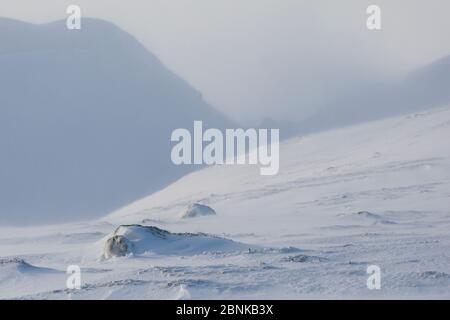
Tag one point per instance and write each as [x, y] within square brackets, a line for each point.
[138, 239]
[196, 210]
[21, 266]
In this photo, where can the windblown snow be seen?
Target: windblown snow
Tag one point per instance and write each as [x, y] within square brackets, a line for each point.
[372, 194]
[138, 239]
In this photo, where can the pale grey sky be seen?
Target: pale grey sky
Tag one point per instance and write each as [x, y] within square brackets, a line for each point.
[254, 58]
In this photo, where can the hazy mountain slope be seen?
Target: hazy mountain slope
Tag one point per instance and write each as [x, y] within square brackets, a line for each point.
[85, 120]
[422, 89]
[372, 194]
[396, 153]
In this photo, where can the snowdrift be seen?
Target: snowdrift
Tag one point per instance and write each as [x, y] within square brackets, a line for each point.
[137, 239]
[373, 194]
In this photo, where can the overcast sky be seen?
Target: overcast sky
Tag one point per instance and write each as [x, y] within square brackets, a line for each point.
[277, 58]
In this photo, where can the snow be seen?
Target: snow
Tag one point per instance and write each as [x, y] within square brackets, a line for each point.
[372, 194]
[141, 240]
[197, 210]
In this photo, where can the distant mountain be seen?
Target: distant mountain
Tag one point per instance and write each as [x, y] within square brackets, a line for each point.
[85, 120]
[424, 88]
[287, 129]
[428, 86]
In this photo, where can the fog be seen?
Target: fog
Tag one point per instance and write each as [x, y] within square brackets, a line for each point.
[269, 58]
[85, 121]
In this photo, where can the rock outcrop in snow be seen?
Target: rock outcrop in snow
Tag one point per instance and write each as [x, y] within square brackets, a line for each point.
[117, 246]
[21, 266]
[196, 210]
[138, 239]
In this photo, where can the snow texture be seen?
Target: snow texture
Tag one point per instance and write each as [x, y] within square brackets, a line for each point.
[372, 194]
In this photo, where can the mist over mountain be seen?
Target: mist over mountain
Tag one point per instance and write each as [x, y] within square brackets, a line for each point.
[424, 88]
[85, 120]
[86, 117]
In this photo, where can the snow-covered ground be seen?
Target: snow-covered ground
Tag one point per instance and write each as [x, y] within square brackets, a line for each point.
[373, 194]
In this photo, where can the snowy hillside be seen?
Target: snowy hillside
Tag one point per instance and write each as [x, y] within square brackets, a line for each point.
[373, 194]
